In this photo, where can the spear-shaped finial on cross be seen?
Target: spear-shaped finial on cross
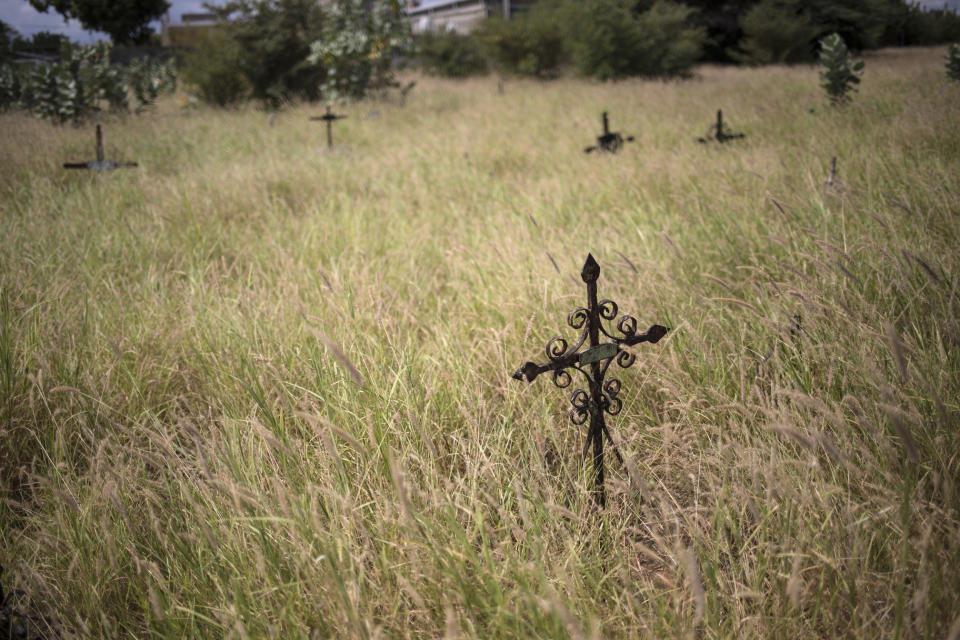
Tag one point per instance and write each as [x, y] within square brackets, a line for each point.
[329, 117]
[593, 363]
[610, 140]
[99, 164]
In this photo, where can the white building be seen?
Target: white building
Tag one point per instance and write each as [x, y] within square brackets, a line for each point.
[460, 15]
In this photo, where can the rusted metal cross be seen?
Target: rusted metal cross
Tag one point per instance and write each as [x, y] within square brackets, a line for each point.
[718, 132]
[329, 117]
[99, 164]
[593, 363]
[610, 140]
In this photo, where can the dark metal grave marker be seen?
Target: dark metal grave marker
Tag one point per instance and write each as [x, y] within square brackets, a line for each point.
[833, 170]
[610, 140]
[593, 363]
[718, 131]
[99, 164]
[329, 117]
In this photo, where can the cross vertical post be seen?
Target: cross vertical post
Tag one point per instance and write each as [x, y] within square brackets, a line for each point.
[329, 129]
[99, 145]
[602, 397]
[717, 132]
[101, 163]
[609, 140]
[329, 116]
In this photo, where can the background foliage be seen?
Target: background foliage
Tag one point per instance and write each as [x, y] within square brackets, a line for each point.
[82, 79]
[271, 41]
[450, 54]
[776, 32]
[211, 71]
[610, 39]
[358, 46]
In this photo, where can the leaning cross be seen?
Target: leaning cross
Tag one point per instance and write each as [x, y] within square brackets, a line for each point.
[99, 164]
[329, 117]
[593, 364]
[718, 133]
[610, 140]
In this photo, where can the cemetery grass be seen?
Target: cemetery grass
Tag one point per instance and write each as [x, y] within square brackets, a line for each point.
[256, 389]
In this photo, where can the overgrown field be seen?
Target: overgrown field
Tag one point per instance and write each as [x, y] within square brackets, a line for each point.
[255, 389]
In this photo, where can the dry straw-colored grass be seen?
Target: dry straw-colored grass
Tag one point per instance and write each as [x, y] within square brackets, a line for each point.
[253, 389]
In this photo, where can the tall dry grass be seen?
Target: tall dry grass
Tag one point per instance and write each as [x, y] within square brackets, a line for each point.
[254, 389]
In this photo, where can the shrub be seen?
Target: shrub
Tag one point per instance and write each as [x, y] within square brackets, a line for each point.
[357, 46]
[953, 62]
[532, 44]
[451, 55]
[838, 71]
[776, 32]
[75, 86]
[212, 72]
[149, 78]
[609, 39]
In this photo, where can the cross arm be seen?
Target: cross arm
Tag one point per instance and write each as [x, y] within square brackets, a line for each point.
[651, 335]
[530, 370]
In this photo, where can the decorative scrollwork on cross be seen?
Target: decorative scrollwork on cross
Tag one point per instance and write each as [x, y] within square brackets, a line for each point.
[600, 396]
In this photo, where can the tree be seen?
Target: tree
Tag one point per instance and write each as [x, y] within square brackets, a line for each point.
[42, 42]
[776, 31]
[274, 39]
[860, 23]
[531, 44]
[125, 21]
[358, 45]
[7, 37]
[612, 39]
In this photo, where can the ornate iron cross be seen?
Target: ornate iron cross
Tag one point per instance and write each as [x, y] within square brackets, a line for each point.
[610, 140]
[718, 132]
[329, 117]
[593, 363]
[99, 164]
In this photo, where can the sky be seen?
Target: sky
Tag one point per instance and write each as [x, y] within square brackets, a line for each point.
[25, 19]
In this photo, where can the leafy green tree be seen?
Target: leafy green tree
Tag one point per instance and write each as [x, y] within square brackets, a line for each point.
[861, 23]
[125, 21]
[838, 71]
[7, 37]
[358, 44]
[612, 39]
[953, 62]
[919, 25]
[42, 42]
[776, 32]
[211, 70]
[531, 44]
[450, 54]
[273, 39]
